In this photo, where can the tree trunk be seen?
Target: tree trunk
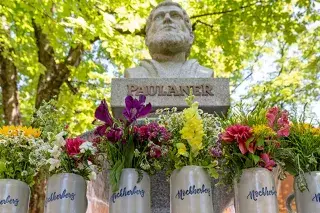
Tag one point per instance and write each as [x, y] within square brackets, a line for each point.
[56, 74]
[9, 88]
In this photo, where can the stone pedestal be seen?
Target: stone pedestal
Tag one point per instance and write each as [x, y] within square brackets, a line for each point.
[212, 94]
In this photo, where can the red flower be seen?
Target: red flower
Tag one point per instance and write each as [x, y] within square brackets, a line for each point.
[155, 151]
[267, 162]
[73, 145]
[240, 134]
[272, 115]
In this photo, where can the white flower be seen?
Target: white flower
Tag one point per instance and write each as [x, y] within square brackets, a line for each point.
[88, 146]
[54, 164]
[80, 166]
[55, 152]
[24, 173]
[93, 175]
[136, 153]
[60, 140]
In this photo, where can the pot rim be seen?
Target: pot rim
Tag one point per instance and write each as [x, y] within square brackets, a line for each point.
[308, 173]
[256, 168]
[14, 180]
[67, 174]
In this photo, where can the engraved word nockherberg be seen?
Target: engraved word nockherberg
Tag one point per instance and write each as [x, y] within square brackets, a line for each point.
[169, 90]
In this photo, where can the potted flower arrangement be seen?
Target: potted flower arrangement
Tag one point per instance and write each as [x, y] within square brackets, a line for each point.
[70, 162]
[250, 141]
[133, 152]
[192, 156]
[303, 162]
[22, 157]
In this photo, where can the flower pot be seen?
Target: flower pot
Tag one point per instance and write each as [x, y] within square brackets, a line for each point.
[307, 201]
[256, 192]
[66, 192]
[14, 196]
[190, 191]
[132, 197]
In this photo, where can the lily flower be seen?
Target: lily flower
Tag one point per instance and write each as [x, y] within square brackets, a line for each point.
[267, 162]
[136, 108]
[102, 113]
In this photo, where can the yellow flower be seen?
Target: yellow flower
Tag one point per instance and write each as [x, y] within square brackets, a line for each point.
[263, 130]
[12, 131]
[192, 130]
[316, 131]
[182, 149]
[304, 128]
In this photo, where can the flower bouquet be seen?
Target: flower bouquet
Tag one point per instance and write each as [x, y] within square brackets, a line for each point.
[250, 142]
[192, 156]
[132, 151]
[302, 159]
[22, 157]
[70, 161]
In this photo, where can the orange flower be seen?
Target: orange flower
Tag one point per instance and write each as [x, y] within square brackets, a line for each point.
[12, 131]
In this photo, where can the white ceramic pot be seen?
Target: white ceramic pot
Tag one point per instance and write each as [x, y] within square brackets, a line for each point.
[14, 196]
[307, 201]
[256, 192]
[66, 193]
[132, 197]
[190, 191]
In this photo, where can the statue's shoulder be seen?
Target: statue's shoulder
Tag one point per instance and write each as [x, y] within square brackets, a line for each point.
[136, 72]
[205, 72]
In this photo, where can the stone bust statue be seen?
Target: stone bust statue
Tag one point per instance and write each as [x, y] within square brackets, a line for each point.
[169, 38]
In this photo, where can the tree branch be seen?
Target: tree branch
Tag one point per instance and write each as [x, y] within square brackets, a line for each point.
[141, 32]
[225, 11]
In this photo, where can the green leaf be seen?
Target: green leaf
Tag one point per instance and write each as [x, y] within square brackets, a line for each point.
[115, 174]
[129, 152]
[260, 142]
[255, 158]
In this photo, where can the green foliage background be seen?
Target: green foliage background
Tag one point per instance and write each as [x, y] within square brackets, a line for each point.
[233, 37]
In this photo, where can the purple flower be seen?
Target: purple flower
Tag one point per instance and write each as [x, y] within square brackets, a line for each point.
[215, 152]
[102, 113]
[136, 108]
[114, 135]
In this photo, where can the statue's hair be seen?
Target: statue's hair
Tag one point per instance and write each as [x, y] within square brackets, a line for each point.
[185, 18]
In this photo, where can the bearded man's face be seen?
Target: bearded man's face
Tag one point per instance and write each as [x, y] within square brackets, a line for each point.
[168, 33]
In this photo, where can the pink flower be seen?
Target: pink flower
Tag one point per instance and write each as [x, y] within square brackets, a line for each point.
[267, 162]
[272, 115]
[284, 131]
[73, 145]
[283, 124]
[240, 134]
[284, 119]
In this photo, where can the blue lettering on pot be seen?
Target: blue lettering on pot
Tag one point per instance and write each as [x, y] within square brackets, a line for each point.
[192, 190]
[253, 194]
[125, 193]
[9, 200]
[316, 198]
[64, 195]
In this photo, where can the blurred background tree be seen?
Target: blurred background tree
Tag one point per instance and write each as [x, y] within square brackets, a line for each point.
[70, 50]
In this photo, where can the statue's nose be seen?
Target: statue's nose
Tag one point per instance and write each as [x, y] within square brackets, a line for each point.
[167, 18]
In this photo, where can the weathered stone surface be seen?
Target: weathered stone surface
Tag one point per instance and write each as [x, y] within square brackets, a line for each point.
[169, 37]
[211, 93]
[97, 194]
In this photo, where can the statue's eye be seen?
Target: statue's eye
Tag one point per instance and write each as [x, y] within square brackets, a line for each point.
[158, 17]
[175, 15]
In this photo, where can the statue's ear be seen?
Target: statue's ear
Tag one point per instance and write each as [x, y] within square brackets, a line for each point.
[191, 37]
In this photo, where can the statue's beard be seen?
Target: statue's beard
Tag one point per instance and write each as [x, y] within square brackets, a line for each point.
[169, 42]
